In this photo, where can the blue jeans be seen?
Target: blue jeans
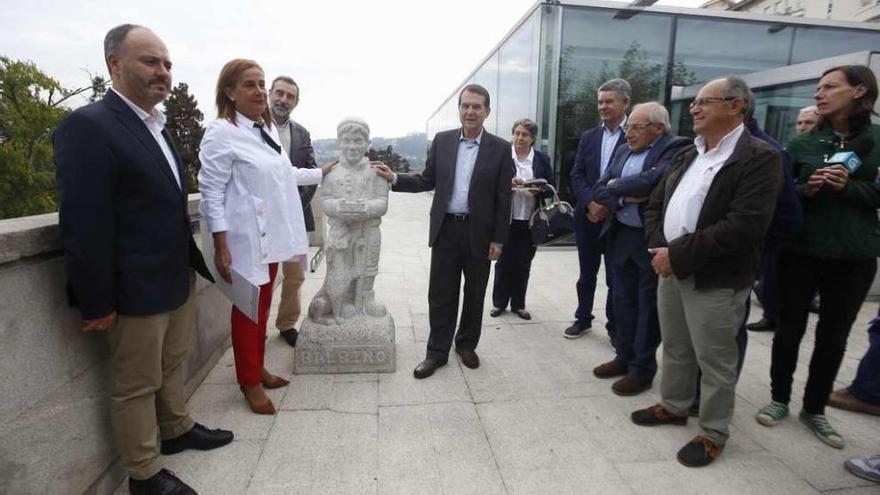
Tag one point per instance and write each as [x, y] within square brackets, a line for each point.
[866, 385]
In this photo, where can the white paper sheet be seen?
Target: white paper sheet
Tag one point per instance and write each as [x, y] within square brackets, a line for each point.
[243, 294]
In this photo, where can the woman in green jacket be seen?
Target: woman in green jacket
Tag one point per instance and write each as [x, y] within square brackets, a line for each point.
[837, 250]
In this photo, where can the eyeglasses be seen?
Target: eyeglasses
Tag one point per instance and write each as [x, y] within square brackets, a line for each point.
[636, 127]
[702, 102]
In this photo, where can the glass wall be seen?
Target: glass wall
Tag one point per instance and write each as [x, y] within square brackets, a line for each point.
[597, 45]
[708, 48]
[552, 76]
[517, 94]
[510, 75]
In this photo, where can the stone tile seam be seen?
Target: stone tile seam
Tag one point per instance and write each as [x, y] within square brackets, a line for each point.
[486, 437]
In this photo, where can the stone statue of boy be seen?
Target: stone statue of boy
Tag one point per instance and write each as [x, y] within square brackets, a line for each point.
[353, 198]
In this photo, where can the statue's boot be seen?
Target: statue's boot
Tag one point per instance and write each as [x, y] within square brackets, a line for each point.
[371, 307]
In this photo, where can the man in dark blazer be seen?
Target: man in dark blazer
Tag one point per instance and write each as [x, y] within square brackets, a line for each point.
[470, 172]
[296, 141]
[593, 155]
[705, 223]
[130, 255]
[634, 171]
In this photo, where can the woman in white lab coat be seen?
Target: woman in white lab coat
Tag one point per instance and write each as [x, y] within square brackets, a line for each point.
[252, 207]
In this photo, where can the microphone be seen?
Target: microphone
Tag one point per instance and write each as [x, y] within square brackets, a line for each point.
[848, 159]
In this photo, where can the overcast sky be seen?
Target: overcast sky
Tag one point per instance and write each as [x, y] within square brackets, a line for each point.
[392, 62]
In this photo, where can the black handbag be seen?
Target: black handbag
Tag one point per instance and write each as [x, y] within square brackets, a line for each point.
[552, 221]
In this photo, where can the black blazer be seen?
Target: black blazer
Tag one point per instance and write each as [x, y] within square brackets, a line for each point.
[488, 195]
[641, 184]
[302, 155]
[542, 168]
[124, 222]
[587, 166]
[725, 248]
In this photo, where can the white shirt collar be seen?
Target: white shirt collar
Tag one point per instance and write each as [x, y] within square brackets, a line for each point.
[619, 126]
[154, 114]
[478, 139]
[248, 123]
[529, 158]
[728, 142]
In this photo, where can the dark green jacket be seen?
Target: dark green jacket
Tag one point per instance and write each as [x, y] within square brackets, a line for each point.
[838, 225]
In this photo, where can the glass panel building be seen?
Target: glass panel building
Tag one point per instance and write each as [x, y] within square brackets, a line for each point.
[551, 63]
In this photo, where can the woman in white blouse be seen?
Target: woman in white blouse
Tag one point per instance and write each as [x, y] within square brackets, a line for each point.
[513, 267]
[252, 207]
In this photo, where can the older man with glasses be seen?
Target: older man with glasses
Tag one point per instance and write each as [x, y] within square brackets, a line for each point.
[705, 223]
[624, 189]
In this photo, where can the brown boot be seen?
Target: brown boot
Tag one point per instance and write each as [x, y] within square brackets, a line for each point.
[259, 402]
[271, 381]
[631, 385]
[610, 369]
[842, 399]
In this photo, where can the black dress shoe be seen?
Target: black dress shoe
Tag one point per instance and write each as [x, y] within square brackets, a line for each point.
[762, 325]
[427, 368]
[162, 483]
[469, 358]
[495, 312]
[525, 315]
[290, 335]
[198, 438]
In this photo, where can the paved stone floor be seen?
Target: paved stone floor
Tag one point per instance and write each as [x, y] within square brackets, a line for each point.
[531, 419]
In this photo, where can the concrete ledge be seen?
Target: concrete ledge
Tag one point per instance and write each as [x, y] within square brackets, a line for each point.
[55, 434]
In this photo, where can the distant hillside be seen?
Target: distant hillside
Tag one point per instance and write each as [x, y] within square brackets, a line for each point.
[412, 147]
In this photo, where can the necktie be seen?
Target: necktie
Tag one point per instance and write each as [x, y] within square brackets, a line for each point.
[272, 144]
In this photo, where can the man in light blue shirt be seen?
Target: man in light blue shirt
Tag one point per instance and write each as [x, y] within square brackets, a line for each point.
[470, 171]
[594, 152]
[633, 172]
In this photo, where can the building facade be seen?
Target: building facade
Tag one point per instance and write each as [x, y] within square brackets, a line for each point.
[549, 66]
[839, 10]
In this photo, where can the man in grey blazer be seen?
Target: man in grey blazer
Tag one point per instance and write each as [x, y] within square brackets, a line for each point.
[283, 98]
[470, 172]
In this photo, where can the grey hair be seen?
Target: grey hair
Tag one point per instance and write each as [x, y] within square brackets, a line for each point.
[619, 86]
[811, 108]
[528, 124]
[353, 124]
[113, 40]
[737, 88]
[657, 114]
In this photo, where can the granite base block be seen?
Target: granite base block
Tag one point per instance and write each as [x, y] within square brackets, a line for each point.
[355, 345]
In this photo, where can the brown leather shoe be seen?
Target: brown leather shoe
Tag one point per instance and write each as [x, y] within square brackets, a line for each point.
[610, 369]
[271, 381]
[631, 385]
[265, 407]
[657, 415]
[699, 452]
[842, 399]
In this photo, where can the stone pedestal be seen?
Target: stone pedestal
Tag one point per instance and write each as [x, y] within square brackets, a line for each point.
[361, 344]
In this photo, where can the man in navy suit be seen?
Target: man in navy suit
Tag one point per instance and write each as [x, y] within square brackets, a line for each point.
[634, 171]
[470, 172]
[130, 255]
[593, 155]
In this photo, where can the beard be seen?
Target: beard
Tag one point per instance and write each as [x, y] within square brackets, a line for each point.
[280, 111]
[144, 87]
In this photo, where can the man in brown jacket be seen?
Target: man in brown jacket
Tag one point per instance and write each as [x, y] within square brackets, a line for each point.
[705, 225]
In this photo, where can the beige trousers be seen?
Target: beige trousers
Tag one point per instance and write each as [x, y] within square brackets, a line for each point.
[289, 308]
[147, 397]
[699, 334]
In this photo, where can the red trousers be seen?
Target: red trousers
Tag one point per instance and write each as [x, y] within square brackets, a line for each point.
[249, 338]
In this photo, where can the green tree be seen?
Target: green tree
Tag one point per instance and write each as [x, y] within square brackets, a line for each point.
[184, 124]
[390, 158]
[30, 109]
[99, 88]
